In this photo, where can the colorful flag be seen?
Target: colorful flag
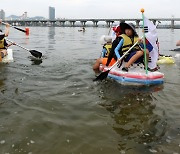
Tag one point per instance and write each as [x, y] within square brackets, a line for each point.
[151, 42]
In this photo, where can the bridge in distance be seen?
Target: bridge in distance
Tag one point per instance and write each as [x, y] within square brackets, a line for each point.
[83, 22]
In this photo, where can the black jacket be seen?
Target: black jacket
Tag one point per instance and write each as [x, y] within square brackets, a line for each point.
[112, 53]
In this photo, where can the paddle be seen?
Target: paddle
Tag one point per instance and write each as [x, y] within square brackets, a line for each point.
[110, 28]
[35, 53]
[22, 30]
[177, 49]
[165, 55]
[104, 75]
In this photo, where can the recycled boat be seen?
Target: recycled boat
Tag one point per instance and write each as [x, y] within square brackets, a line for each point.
[135, 76]
[9, 57]
[166, 60]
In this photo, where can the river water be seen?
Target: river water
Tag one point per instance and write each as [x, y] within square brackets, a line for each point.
[53, 106]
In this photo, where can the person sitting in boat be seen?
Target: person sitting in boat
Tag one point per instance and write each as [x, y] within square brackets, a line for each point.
[129, 38]
[3, 51]
[6, 45]
[82, 30]
[111, 59]
[3, 44]
[106, 41]
[116, 31]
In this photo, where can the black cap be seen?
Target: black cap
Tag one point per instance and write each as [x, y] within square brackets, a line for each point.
[124, 26]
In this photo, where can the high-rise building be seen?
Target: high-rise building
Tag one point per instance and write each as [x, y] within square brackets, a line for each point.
[51, 13]
[2, 14]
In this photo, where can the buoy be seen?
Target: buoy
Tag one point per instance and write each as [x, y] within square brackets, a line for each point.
[27, 30]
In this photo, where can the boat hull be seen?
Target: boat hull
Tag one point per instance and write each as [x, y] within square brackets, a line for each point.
[135, 76]
[9, 57]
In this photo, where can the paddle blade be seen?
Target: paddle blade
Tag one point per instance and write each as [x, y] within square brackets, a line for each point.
[177, 49]
[35, 53]
[22, 30]
[102, 76]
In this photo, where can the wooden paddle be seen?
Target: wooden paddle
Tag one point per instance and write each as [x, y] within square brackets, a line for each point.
[22, 30]
[104, 75]
[35, 53]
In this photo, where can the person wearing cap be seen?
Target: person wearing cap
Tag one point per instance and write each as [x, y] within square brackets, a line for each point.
[129, 38]
[3, 43]
[111, 59]
[107, 45]
[116, 32]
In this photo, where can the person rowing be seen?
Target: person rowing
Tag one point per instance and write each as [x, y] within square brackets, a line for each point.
[3, 43]
[127, 39]
[111, 58]
[82, 30]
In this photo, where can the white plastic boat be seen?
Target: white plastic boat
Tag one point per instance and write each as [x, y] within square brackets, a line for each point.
[9, 57]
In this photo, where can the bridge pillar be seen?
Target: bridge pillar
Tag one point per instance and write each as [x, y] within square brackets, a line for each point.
[72, 23]
[15, 23]
[137, 23]
[83, 23]
[32, 23]
[21, 23]
[62, 23]
[95, 23]
[11, 22]
[40, 23]
[172, 23]
[53, 23]
[109, 23]
[44, 23]
[36, 23]
[122, 20]
[26, 23]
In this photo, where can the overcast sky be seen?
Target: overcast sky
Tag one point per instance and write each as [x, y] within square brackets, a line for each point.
[93, 8]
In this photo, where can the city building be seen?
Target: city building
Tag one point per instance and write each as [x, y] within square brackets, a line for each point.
[51, 13]
[2, 14]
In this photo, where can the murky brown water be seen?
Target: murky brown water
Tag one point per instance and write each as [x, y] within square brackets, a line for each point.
[53, 107]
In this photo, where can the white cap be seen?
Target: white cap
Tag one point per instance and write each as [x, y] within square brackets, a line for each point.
[105, 39]
[108, 39]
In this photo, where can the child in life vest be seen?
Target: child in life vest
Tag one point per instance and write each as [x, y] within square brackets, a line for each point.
[110, 60]
[129, 38]
[107, 45]
[3, 44]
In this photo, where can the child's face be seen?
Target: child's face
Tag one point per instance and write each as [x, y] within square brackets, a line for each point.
[129, 32]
